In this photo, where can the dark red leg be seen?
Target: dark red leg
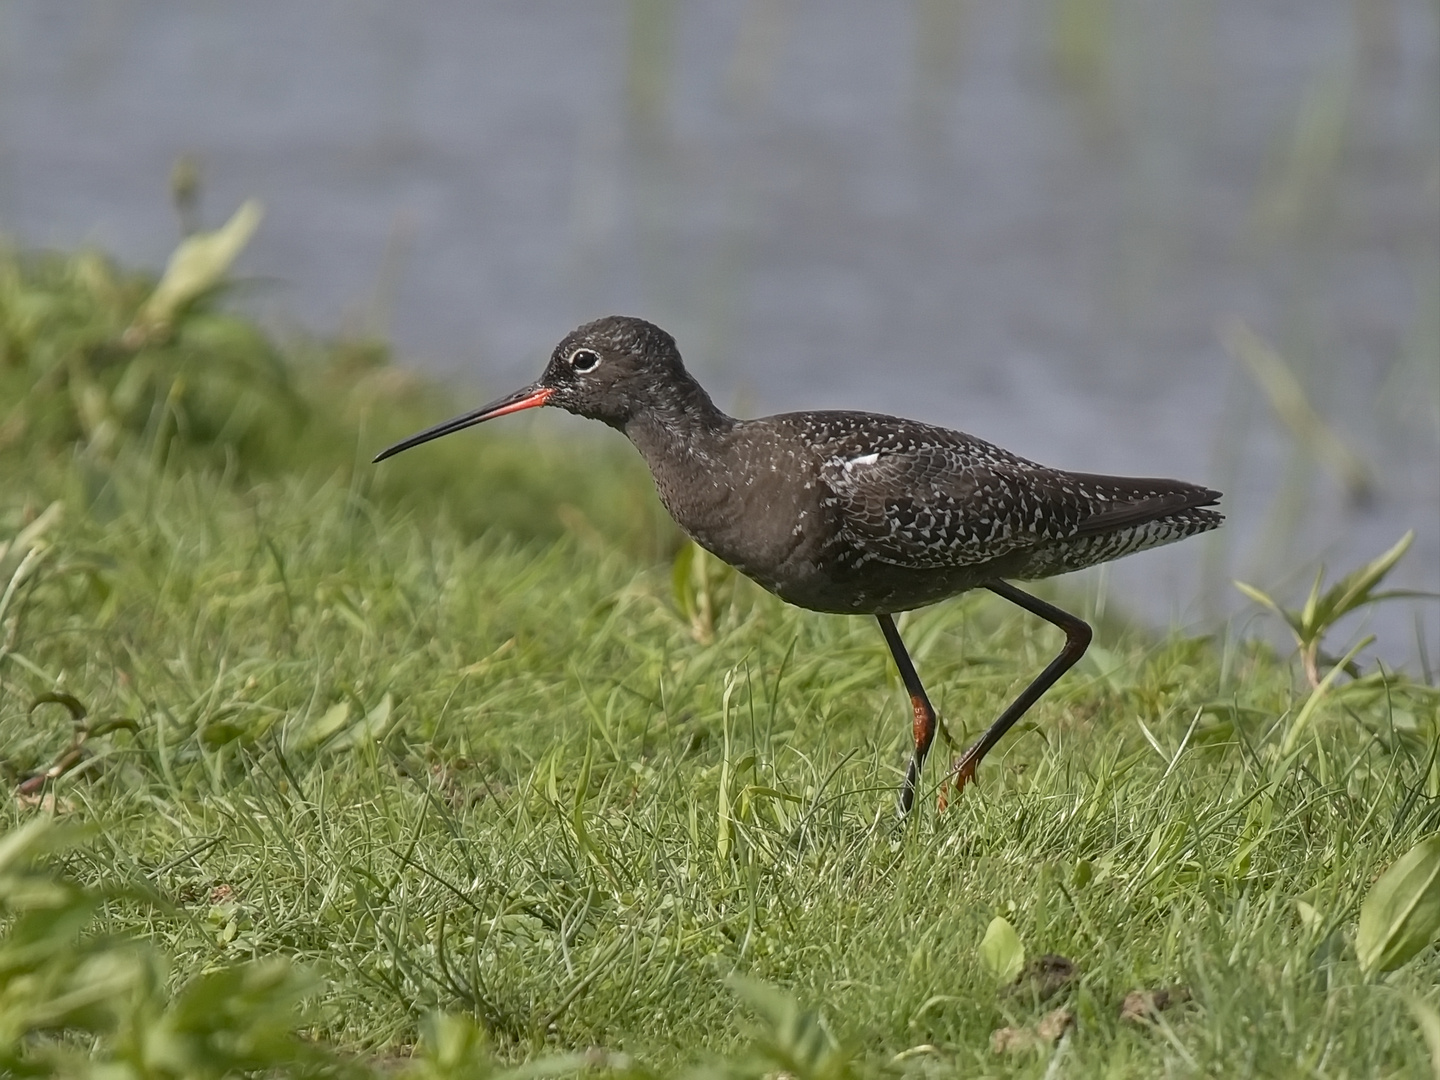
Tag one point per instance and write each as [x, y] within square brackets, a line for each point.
[919, 704]
[1077, 640]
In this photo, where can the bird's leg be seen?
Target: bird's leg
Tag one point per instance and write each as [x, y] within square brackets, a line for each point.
[925, 719]
[1077, 640]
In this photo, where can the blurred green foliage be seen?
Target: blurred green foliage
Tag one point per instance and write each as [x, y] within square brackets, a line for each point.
[214, 386]
[85, 372]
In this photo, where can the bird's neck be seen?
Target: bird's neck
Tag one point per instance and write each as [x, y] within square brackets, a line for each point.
[678, 421]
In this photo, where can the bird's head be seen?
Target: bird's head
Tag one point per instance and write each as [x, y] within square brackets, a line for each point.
[606, 370]
[609, 369]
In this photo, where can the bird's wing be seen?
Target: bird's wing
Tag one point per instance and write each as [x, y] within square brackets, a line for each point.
[930, 497]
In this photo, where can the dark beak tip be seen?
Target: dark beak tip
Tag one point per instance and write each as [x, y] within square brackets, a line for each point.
[528, 398]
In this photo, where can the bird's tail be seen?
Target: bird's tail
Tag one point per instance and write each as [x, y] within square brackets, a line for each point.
[1125, 515]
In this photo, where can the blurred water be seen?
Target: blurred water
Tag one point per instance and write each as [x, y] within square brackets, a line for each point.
[1027, 220]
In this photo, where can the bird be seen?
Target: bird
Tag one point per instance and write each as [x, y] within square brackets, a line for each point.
[854, 512]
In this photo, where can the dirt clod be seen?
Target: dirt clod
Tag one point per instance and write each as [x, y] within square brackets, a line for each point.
[1050, 1029]
[1142, 1006]
[1044, 977]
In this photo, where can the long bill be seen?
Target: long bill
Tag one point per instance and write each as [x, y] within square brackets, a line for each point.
[528, 398]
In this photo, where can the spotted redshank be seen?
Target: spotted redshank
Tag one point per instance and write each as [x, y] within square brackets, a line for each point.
[854, 512]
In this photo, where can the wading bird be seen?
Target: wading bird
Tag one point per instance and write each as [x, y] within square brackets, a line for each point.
[853, 512]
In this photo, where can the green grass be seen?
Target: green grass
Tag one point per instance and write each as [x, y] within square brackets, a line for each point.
[440, 735]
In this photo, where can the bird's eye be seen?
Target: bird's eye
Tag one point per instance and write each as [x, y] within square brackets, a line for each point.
[583, 360]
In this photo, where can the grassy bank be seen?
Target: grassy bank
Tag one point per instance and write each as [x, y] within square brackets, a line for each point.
[454, 739]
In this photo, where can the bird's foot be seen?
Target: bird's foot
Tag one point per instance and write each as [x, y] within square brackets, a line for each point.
[961, 773]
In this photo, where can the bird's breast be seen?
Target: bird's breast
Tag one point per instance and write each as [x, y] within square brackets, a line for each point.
[757, 507]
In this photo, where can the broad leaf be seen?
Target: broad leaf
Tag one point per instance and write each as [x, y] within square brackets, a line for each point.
[1402, 913]
[1001, 950]
[197, 265]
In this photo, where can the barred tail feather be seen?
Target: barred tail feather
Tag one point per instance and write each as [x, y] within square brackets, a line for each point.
[1101, 547]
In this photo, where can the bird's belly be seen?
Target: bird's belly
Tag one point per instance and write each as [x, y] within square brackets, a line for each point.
[874, 588]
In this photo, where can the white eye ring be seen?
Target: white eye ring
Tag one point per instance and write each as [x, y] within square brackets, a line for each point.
[583, 360]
